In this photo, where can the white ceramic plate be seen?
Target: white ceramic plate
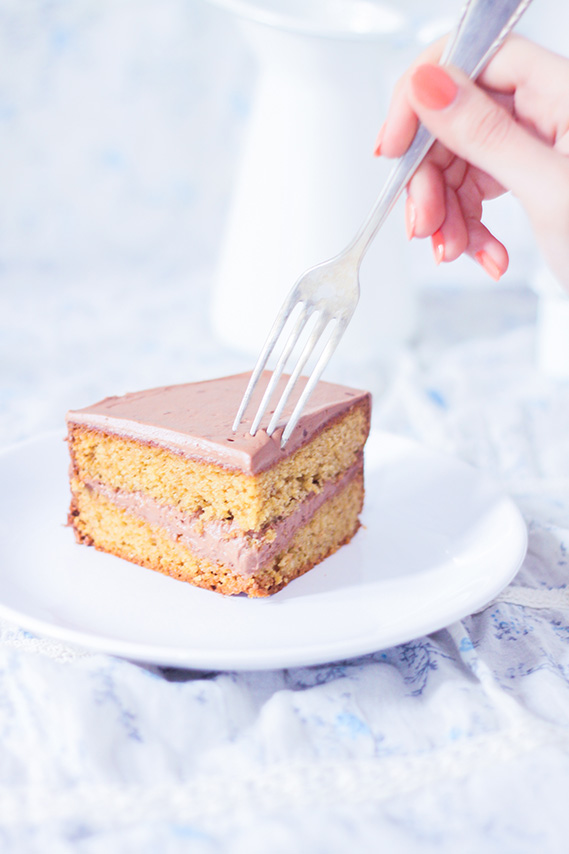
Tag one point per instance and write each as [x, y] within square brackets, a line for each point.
[438, 541]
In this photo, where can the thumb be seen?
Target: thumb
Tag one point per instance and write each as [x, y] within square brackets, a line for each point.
[475, 127]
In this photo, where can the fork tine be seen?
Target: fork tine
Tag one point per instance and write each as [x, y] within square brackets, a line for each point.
[276, 330]
[323, 360]
[290, 344]
[319, 328]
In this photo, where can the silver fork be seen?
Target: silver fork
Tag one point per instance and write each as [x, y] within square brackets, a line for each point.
[331, 289]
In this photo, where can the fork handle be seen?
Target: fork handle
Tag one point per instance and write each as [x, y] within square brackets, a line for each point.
[482, 28]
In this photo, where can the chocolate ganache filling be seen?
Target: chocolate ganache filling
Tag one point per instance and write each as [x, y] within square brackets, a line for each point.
[221, 541]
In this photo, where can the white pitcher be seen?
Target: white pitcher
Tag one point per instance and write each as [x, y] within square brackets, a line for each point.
[308, 176]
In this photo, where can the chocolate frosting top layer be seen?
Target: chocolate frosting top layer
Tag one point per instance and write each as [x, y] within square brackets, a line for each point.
[195, 419]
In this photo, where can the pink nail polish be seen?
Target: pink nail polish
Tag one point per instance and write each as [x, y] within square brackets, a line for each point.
[438, 242]
[488, 264]
[410, 218]
[433, 87]
[378, 141]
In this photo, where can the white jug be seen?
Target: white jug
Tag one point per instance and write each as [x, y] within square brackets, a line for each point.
[308, 177]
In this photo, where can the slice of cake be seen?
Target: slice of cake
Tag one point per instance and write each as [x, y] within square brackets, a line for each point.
[159, 478]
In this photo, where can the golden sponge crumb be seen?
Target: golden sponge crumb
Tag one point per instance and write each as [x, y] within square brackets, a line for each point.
[192, 486]
[98, 522]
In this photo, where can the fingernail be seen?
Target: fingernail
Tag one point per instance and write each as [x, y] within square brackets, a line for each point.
[378, 141]
[488, 264]
[438, 242]
[433, 87]
[410, 218]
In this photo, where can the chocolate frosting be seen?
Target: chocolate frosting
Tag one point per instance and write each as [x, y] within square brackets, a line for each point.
[195, 419]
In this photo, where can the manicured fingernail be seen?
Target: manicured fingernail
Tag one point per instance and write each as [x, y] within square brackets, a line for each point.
[438, 242]
[410, 217]
[433, 87]
[488, 264]
[378, 141]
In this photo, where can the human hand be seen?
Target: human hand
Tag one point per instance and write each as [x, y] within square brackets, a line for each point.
[507, 131]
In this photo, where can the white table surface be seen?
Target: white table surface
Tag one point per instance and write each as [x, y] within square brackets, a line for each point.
[457, 741]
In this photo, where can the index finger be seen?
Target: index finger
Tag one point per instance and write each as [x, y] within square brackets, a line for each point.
[401, 123]
[540, 77]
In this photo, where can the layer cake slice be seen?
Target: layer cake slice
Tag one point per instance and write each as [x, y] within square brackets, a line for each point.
[159, 478]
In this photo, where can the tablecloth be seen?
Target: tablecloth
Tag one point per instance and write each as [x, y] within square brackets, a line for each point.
[457, 741]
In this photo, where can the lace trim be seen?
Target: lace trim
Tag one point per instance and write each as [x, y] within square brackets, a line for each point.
[531, 597]
[221, 800]
[16, 638]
